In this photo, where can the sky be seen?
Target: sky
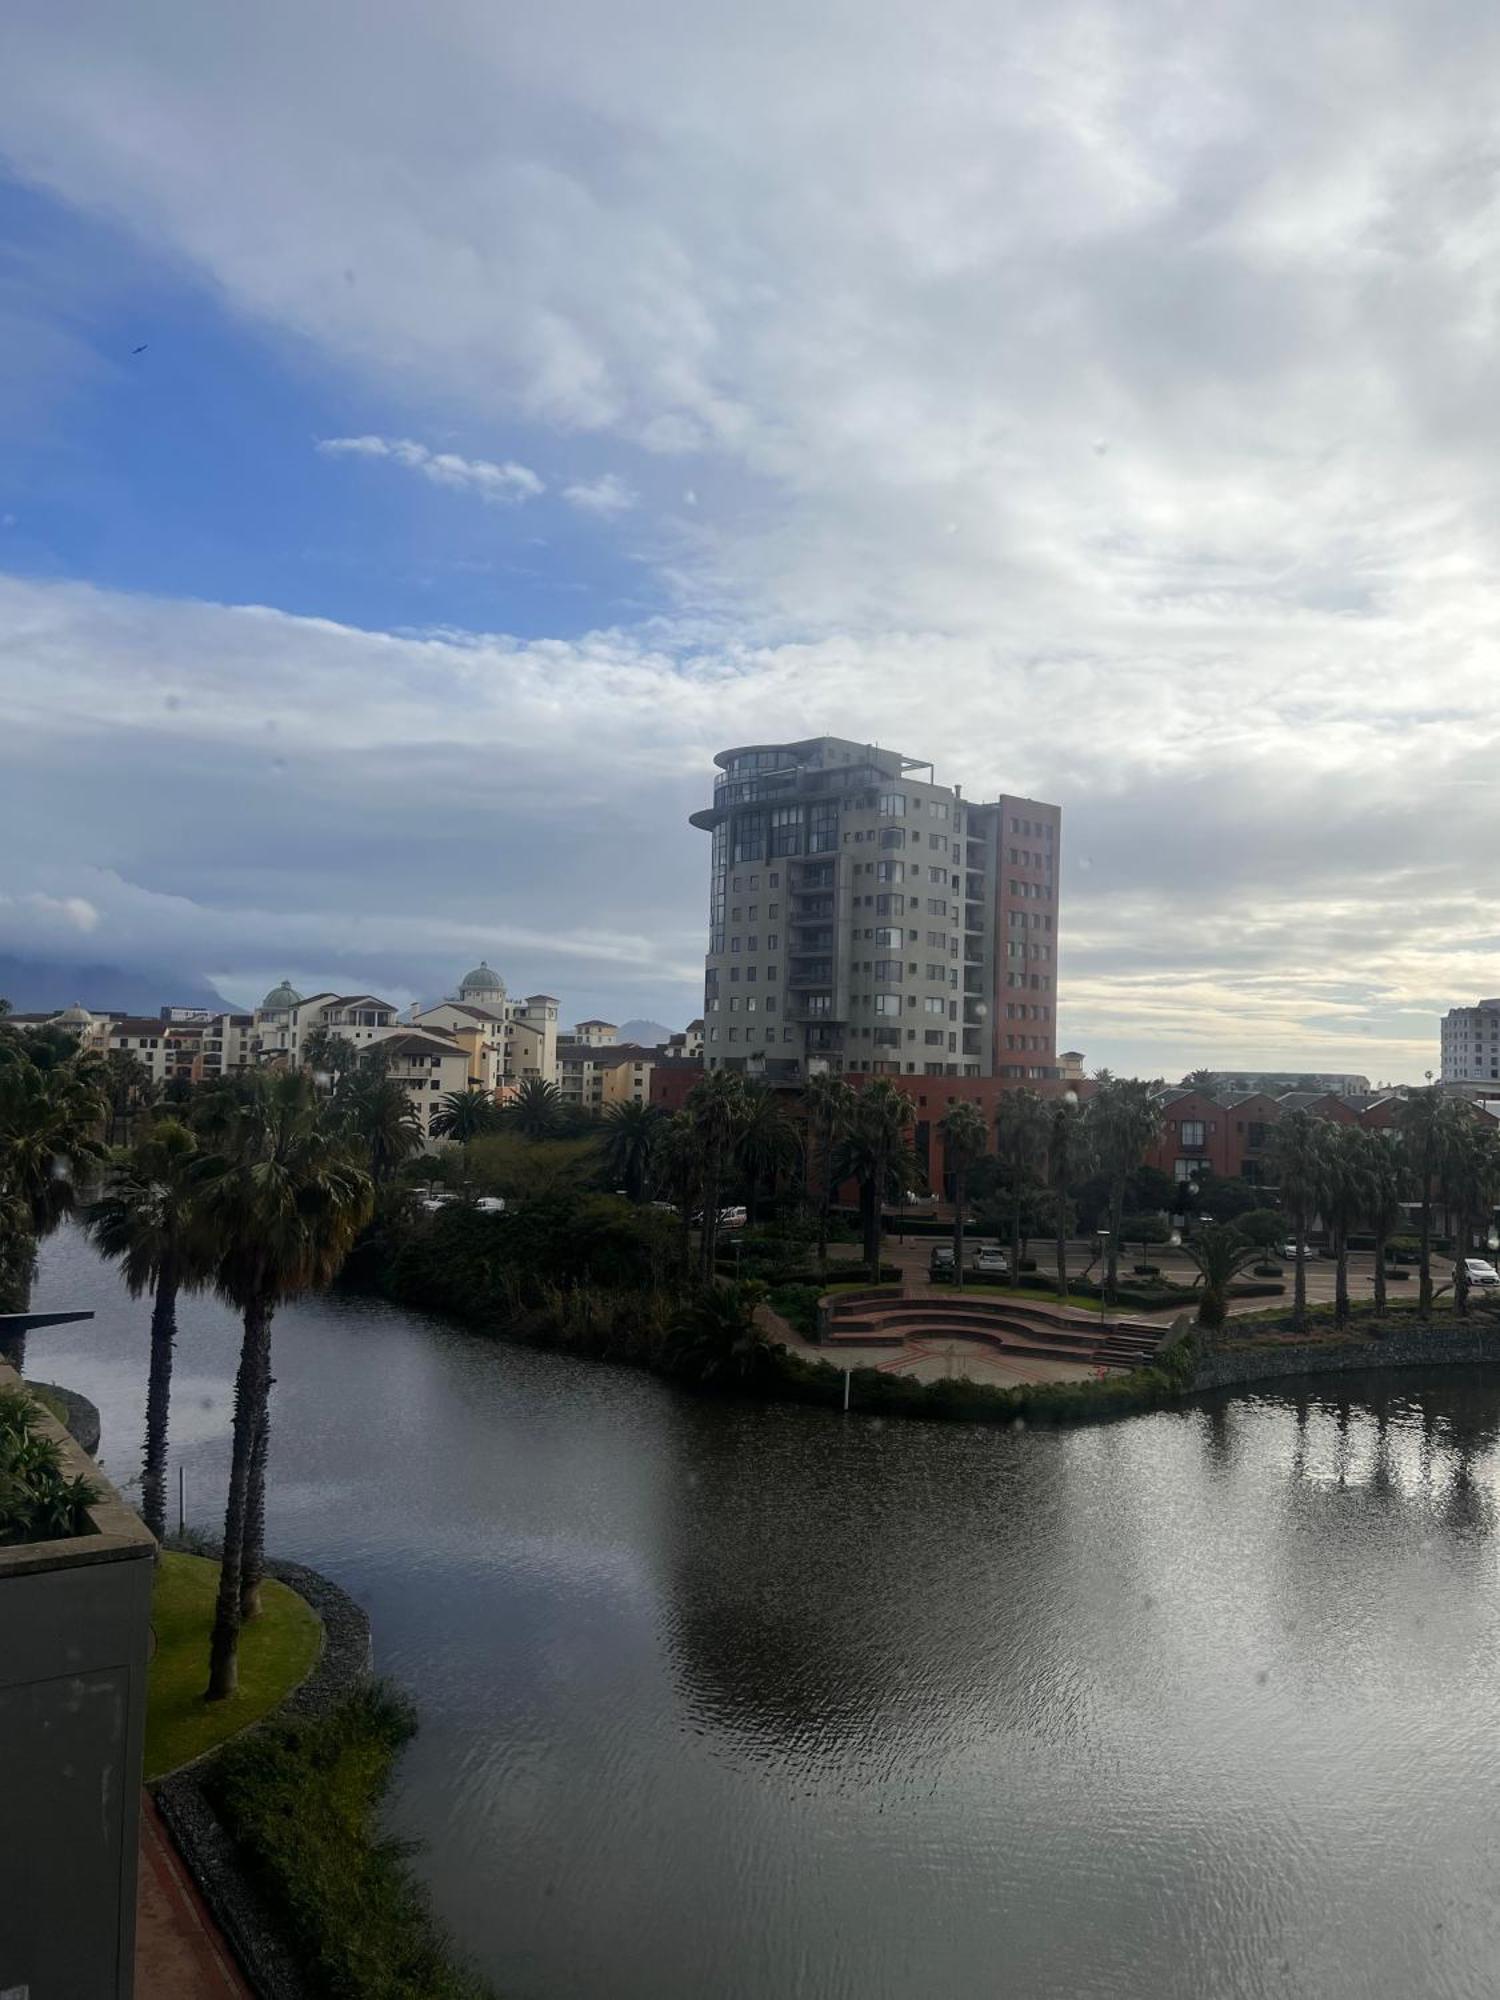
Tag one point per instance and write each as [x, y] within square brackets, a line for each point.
[1099, 400]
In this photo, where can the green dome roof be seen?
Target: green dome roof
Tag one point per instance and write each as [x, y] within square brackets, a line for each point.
[281, 998]
[482, 980]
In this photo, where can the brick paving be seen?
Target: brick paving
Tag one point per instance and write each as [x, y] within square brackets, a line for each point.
[180, 1953]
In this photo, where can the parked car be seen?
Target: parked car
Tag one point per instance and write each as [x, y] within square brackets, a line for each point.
[1480, 1272]
[940, 1263]
[992, 1262]
[491, 1204]
[433, 1202]
[911, 1199]
[732, 1218]
[1289, 1252]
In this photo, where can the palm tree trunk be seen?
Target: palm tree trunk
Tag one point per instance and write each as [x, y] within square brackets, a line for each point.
[1461, 1268]
[960, 1178]
[1062, 1251]
[158, 1401]
[1299, 1284]
[1381, 1239]
[709, 1237]
[1112, 1252]
[1341, 1275]
[251, 1387]
[877, 1218]
[1015, 1237]
[253, 1560]
[1424, 1262]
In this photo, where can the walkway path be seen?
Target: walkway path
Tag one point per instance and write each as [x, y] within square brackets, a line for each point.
[180, 1953]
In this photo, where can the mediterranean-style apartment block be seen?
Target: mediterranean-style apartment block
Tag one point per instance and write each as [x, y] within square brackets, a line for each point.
[1471, 1044]
[864, 918]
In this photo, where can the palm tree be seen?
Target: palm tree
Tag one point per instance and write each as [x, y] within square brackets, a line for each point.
[765, 1144]
[1066, 1142]
[1124, 1121]
[379, 1113]
[1383, 1209]
[535, 1110]
[715, 1107]
[1421, 1126]
[1468, 1173]
[715, 1336]
[1346, 1200]
[965, 1142]
[148, 1221]
[464, 1115]
[1021, 1127]
[631, 1133]
[1220, 1253]
[677, 1171]
[830, 1113]
[49, 1123]
[1296, 1152]
[329, 1054]
[875, 1153]
[128, 1089]
[284, 1202]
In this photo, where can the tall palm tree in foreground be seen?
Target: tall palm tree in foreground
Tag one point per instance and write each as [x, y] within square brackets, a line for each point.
[535, 1110]
[1383, 1197]
[149, 1222]
[49, 1139]
[830, 1112]
[1021, 1130]
[1067, 1143]
[285, 1202]
[464, 1115]
[1124, 1121]
[1297, 1154]
[875, 1153]
[631, 1135]
[715, 1108]
[765, 1145]
[1346, 1200]
[965, 1141]
[1422, 1123]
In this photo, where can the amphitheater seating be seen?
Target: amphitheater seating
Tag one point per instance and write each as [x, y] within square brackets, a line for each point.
[1054, 1333]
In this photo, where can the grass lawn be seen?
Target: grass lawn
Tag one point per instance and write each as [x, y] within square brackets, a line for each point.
[276, 1652]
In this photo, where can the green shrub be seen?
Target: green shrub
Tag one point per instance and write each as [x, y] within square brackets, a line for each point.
[38, 1502]
[301, 1800]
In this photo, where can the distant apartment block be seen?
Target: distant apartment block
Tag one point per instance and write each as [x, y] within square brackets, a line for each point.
[1471, 1044]
[865, 919]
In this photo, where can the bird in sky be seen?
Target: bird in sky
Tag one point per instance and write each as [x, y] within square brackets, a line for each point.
[142, 348]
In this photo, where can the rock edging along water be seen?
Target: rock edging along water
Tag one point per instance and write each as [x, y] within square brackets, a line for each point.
[212, 1860]
[1422, 1346]
[80, 1418]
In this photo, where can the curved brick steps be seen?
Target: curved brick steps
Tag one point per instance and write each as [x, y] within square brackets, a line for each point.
[877, 1319]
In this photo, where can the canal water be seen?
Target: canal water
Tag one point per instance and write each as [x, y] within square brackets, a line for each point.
[755, 1703]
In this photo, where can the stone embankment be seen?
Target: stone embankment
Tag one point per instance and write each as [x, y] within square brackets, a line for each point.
[1422, 1346]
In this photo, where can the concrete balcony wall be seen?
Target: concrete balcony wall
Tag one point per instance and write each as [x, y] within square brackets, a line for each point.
[75, 1622]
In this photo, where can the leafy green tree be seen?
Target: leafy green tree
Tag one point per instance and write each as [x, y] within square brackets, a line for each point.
[149, 1222]
[830, 1114]
[875, 1153]
[284, 1202]
[677, 1173]
[765, 1143]
[535, 1110]
[1220, 1253]
[631, 1133]
[1201, 1080]
[1296, 1156]
[965, 1141]
[1123, 1118]
[1021, 1131]
[464, 1115]
[715, 1107]
[1067, 1141]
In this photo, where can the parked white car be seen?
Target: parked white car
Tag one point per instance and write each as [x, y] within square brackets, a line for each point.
[992, 1262]
[491, 1204]
[732, 1218]
[1480, 1272]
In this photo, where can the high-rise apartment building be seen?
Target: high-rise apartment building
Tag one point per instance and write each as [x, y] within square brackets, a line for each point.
[863, 918]
[1471, 1043]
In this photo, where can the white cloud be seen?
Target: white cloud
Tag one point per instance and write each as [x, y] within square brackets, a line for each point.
[508, 482]
[1098, 399]
[608, 494]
